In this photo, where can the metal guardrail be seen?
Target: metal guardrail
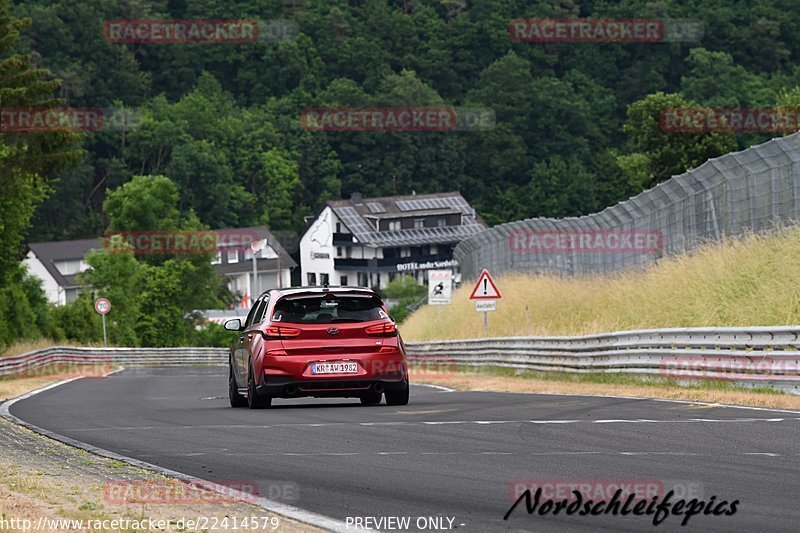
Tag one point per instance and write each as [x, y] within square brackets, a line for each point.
[764, 356]
[70, 359]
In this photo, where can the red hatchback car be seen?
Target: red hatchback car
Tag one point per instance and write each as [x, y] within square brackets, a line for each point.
[317, 341]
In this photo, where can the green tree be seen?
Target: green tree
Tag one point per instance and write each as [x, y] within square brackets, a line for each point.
[279, 190]
[163, 319]
[154, 298]
[27, 159]
[668, 152]
[144, 203]
[116, 274]
[79, 322]
[22, 308]
[715, 81]
[207, 185]
[408, 292]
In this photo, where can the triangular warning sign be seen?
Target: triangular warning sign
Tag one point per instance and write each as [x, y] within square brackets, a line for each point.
[485, 288]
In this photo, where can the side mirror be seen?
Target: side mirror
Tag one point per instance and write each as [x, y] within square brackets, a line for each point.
[233, 325]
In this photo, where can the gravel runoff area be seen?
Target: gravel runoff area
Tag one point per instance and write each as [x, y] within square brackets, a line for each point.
[47, 482]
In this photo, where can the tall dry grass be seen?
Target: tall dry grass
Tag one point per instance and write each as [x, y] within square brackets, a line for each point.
[753, 281]
[25, 346]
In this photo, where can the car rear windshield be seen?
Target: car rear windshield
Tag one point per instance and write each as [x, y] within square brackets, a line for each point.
[328, 309]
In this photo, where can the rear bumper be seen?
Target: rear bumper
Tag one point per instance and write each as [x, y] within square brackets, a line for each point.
[287, 387]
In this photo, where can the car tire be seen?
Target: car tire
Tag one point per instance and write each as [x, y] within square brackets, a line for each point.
[371, 398]
[255, 400]
[397, 397]
[236, 399]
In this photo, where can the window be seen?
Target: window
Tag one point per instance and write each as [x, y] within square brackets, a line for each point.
[328, 309]
[338, 227]
[267, 252]
[253, 311]
[233, 256]
[262, 311]
[394, 225]
[433, 250]
[69, 267]
[441, 222]
[323, 279]
[71, 294]
[311, 278]
[405, 251]
[338, 251]
[419, 223]
[343, 281]
[217, 259]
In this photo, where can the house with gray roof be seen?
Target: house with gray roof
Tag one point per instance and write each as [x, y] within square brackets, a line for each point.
[58, 263]
[369, 241]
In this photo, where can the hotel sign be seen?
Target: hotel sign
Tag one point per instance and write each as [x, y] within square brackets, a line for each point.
[403, 267]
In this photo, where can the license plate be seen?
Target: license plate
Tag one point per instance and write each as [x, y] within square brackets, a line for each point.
[334, 368]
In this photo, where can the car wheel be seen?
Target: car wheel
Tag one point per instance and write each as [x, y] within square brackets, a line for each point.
[397, 397]
[371, 398]
[236, 399]
[254, 400]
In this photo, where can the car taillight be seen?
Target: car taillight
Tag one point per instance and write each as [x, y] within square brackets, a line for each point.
[281, 332]
[388, 329]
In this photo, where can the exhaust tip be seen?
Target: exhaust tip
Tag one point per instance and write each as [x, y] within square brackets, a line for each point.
[378, 387]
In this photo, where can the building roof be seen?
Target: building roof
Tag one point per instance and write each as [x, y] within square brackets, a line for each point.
[355, 212]
[261, 233]
[49, 253]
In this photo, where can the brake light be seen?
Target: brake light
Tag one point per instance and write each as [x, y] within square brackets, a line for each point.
[281, 332]
[387, 329]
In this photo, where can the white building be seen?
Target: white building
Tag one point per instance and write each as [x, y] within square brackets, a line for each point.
[58, 263]
[369, 241]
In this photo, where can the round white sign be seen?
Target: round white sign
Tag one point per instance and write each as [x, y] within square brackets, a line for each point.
[102, 306]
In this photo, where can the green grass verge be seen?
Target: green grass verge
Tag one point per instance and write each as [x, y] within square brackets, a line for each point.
[612, 379]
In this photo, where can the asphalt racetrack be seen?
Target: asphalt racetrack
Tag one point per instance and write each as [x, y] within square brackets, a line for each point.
[459, 456]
